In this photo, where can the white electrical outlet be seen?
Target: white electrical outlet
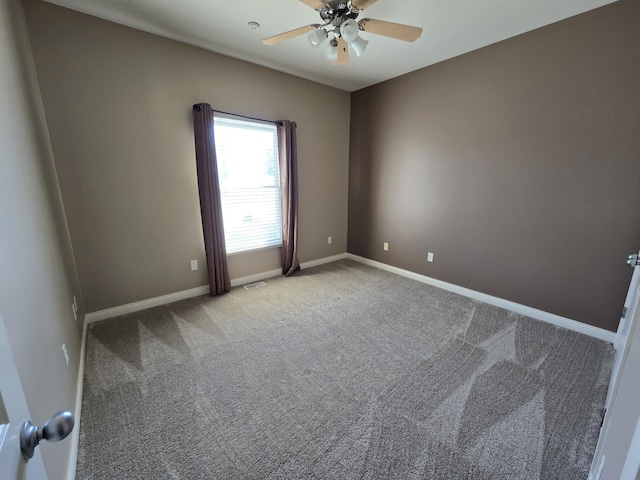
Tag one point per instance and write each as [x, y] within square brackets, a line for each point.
[194, 264]
[66, 355]
[385, 246]
[429, 257]
[329, 240]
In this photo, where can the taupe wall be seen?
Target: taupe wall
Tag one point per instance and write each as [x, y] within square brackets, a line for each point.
[516, 164]
[118, 105]
[37, 275]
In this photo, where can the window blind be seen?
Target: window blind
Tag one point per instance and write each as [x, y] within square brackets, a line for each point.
[247, 155]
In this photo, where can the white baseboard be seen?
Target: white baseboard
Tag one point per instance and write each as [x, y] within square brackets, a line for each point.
[322, 261]
[557, 320]
[574, 325]
[274, 273]
[75, 433]
[144, 304]
[236, 282]
[194, 292]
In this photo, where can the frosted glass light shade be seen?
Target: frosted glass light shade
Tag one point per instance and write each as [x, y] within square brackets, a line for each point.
[317, 37]
[349, 30]
[331, 52]
[359, 45]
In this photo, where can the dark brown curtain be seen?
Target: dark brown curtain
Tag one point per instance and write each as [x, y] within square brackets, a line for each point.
[210, 204]
[288, 153]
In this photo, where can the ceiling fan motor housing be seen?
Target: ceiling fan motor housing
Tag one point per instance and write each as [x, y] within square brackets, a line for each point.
[336, 13]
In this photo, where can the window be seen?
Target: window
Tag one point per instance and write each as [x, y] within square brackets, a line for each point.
[249, 175]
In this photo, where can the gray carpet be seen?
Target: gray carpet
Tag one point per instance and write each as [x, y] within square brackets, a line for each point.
[342, 371]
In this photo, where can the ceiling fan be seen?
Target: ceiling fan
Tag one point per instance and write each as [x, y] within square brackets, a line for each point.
[341, 29]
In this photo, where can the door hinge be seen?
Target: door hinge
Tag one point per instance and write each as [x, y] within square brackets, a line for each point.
[624, 312]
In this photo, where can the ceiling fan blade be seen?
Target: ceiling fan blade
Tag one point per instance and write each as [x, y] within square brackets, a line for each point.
[288, 35]
[343, 52]
[390, 29]
[362, 4]
[315, 4]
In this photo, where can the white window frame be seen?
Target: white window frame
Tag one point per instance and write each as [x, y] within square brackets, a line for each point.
[249, 178]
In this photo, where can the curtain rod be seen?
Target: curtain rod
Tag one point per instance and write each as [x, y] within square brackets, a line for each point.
[244, 116]
[276, 122]
[249, 118]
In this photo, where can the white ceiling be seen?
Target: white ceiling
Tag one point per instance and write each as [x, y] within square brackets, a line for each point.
[451, 28]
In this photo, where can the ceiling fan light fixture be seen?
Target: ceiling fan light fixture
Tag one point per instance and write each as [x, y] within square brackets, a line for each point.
[332, 51]
[349, 30]
[317, 37]
[359, 45]
[342, 30]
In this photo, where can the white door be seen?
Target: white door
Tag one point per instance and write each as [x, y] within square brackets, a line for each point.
[14, 411]
[618, 445]
[625, 328]
[631, 468]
